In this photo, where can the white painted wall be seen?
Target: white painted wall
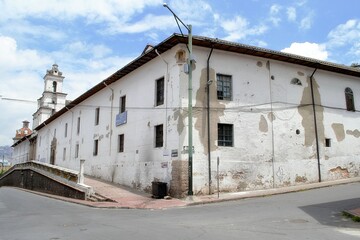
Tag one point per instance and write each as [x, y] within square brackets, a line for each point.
[21, 153]
[266, 114]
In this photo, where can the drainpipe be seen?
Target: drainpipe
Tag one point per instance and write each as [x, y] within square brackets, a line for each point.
[272, 124]
[111, 114]
[315, 123]
[208, 82]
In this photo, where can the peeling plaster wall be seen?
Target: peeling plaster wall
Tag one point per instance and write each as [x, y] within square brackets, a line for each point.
[274, 141]
[341, 159]
[140, 163]
[274, 130]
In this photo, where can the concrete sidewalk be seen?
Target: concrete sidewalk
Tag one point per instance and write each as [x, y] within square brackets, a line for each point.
[124, 197]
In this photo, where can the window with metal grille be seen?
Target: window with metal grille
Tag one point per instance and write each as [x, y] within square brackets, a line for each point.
[122, 104]
[224, 87]
[160, 91]
[97, 116]
[349, 98]
[121, 143]
[225, 135]
[159, 136]
[96, 147]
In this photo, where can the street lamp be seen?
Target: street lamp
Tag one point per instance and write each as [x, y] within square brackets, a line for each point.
[189, 62]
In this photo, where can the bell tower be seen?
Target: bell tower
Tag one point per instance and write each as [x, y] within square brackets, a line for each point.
[52, 99]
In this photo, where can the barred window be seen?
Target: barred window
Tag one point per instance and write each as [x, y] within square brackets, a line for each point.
[97, 115]
[96, 147]
[224, 87]
[159, 141]
[349, 98]
[225, 135]
[121, 143]
[122, 104]
[160, 91]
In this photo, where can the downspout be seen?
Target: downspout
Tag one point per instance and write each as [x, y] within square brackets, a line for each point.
[166, 96]
[111, 114]
[315, 123]
[208, 82]
[272, 123]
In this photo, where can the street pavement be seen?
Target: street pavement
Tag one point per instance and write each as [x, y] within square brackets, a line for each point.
[125, 197]
[311, 214]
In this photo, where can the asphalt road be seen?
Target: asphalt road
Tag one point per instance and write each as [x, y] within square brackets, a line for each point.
[313, 214]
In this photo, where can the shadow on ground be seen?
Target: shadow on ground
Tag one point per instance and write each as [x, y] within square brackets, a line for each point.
[331, 213]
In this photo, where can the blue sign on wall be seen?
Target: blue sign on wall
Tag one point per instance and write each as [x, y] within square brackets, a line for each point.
[121, 118]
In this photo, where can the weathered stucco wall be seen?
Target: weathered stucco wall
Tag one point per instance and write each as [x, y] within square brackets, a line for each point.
[274, 138]
[274, 130]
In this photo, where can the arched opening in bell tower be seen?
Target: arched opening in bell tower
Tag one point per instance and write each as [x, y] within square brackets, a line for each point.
[54, 86]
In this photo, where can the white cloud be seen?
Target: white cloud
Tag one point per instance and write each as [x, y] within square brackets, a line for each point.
[306, 22]
[306, 49]
[148, 22]
[345, 33]
[191, 11]
[13, 58]
[274, 14]
[355, 49]
[291, 14]
[22, 70]
[238, 28]
[111, 13]
[19, 80]
[92, 10]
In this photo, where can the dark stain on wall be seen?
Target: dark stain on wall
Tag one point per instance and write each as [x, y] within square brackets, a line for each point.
[200, 114]
[355, 133]
[338, 129]
[306, 112]
[179, 178]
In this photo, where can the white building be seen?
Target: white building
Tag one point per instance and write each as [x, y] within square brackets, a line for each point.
[275, 120]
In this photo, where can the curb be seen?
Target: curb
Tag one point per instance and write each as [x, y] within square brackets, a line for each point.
[194, 200]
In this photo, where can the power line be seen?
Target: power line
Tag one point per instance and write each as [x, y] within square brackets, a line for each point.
[17, 100]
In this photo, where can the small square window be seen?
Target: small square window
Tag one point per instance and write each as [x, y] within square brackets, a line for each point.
[327, 142]
[225, 135]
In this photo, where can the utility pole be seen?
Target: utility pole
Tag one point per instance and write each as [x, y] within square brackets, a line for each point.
[189, 63]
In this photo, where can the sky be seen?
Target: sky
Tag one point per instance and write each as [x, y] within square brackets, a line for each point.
[91, 39]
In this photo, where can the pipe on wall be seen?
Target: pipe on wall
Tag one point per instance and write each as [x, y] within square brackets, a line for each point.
[208, 82]
[315, 123]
